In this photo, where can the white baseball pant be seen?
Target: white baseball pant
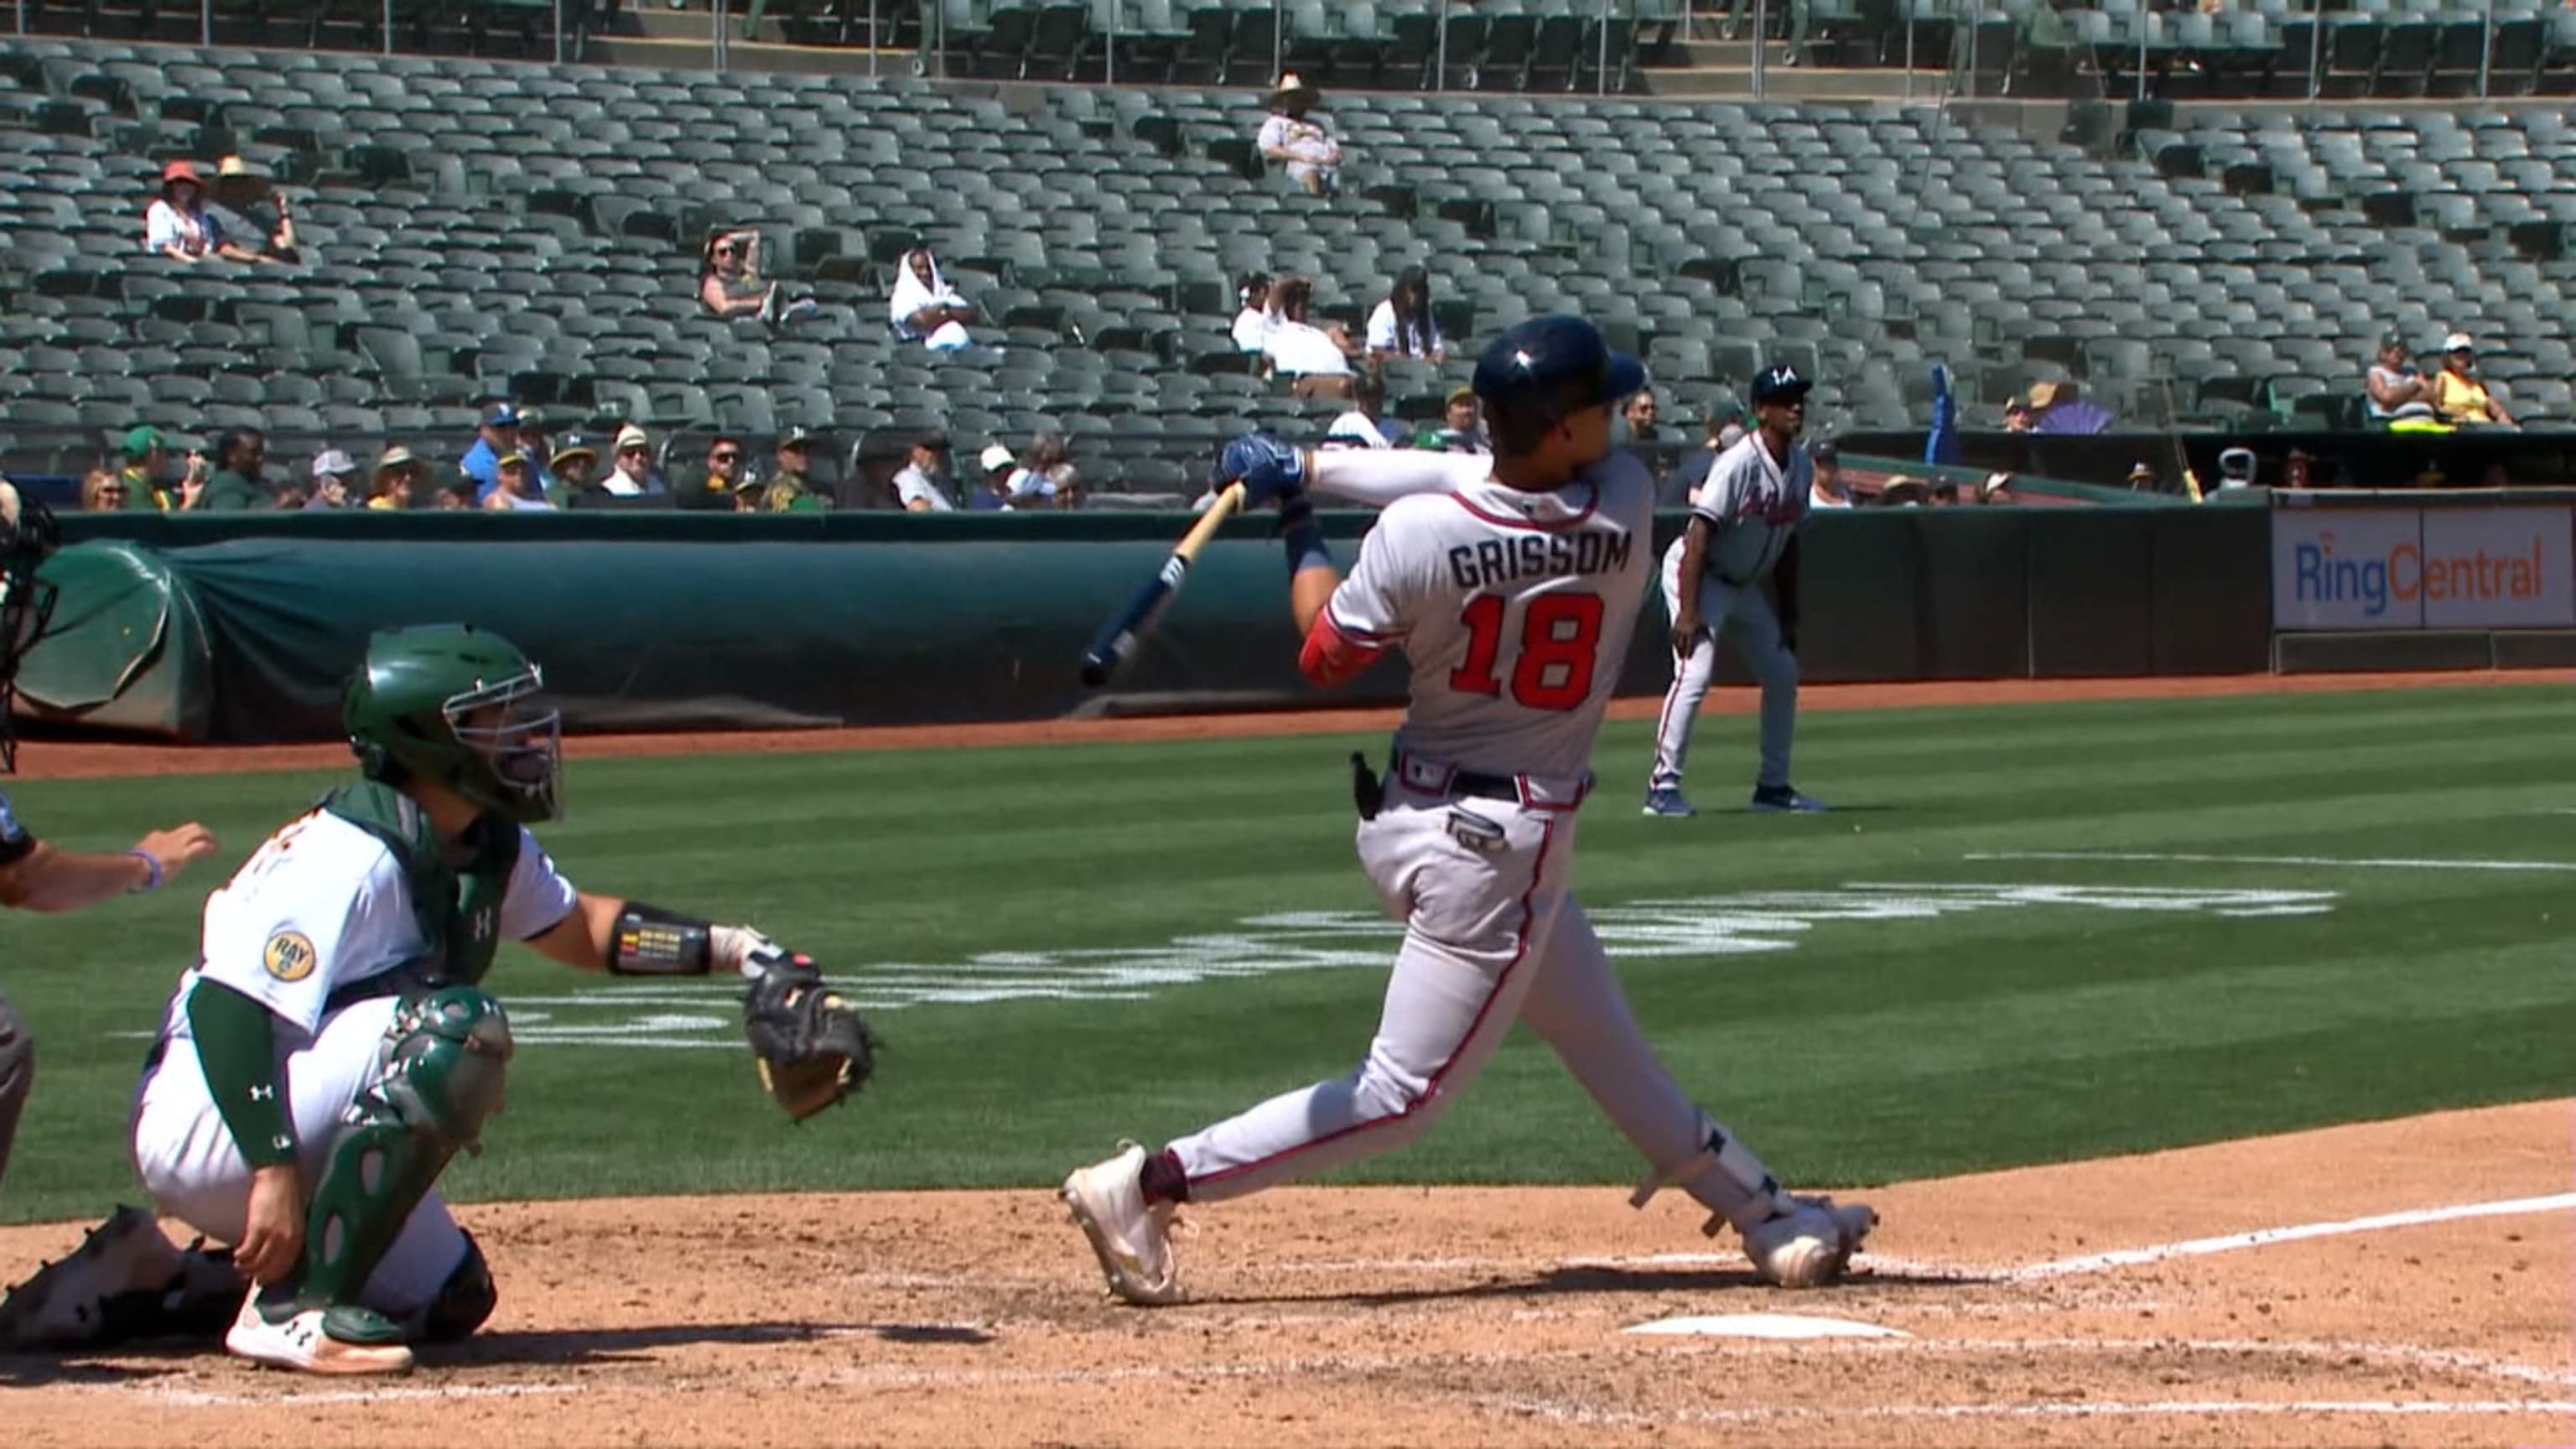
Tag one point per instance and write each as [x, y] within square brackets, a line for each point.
[1490, 937]
[194, 1173]
[1745, 617]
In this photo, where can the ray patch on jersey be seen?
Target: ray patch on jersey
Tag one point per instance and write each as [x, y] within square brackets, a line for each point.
[290, 956]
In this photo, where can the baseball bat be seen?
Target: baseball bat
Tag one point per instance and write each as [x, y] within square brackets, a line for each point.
[1120, 638]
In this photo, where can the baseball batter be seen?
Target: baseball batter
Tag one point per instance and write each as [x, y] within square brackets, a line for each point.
[1744, 524]
[1512, 584]
[332, 1049]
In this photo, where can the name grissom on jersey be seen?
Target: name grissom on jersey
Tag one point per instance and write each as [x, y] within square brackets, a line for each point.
[1502, 561]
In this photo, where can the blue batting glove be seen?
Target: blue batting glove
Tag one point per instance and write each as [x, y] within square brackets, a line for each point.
[1266, 467]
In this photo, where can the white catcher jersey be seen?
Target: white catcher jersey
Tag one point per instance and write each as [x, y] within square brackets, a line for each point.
[322, 904]
[1513, 608]
[1752, 504]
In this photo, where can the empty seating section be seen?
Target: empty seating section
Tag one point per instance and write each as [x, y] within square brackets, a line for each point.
[479, 228]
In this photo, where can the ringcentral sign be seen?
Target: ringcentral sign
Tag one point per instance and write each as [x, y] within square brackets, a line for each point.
[2422, 568]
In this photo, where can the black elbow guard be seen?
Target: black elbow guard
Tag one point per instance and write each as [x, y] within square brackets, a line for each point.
[655, 942]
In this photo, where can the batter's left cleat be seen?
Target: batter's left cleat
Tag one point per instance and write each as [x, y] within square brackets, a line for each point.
[1131, 1237]
[82, 1300]
[1784, 799]
[1667, 801]
[1811, 1244]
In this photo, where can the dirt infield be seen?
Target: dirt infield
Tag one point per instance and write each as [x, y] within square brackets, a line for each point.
[59, 760]
[2401, 1283]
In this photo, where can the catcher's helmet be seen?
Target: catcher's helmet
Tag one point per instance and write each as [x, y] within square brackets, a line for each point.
[448, 703]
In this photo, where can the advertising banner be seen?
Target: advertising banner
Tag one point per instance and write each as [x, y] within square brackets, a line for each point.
[2346, 568]
[2422, 568]
[2497, 568]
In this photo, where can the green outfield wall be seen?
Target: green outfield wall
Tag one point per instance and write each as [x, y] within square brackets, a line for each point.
[242, 628]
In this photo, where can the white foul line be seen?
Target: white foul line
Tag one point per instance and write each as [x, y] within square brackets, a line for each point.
[2230, 1242]
[2188, 858]
[1576, 1413]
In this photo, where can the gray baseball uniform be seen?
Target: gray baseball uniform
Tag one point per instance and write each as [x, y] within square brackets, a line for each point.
[1752, 502]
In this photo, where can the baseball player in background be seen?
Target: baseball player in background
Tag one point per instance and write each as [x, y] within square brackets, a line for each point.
[333, 1048]
[1511, 583]
[1744, 525]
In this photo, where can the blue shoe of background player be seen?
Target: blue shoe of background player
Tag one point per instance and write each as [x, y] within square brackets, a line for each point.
[1667, 800]
[1778, 799]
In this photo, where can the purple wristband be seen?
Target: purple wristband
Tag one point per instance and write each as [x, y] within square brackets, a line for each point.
[151, 863]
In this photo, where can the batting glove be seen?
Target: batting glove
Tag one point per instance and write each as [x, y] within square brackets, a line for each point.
[1266, 467]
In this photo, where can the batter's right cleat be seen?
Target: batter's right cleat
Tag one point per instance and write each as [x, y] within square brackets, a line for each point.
[1667, 801]
[74, 1303]
[338, 1340]
[1131, 1237]
[1783, 799]
[1810, 1245]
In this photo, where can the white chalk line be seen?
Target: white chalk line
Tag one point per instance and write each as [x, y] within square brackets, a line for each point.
[2337, 861]
[2263, 1237]
[1573, 1412]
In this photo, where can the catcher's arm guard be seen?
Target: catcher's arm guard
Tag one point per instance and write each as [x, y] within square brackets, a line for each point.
[812, 1046]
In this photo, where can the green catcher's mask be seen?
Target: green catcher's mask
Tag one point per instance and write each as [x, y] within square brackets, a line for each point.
[451, 704]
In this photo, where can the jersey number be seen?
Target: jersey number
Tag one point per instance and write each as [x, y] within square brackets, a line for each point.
[1560, 634]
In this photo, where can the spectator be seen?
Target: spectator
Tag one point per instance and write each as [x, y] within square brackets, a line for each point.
[1724, 432]
[458, 493]
[725, 469]
[277, 238]
[1402, 325]
[2392, 388]
[397, 474]
[917, 487]
[2057, 410]
[2458, 396]
[573, 462]
[630, 474]
[292, 496]
[730, 283]
[1312, 156]
[331, 474]
[1366, 424]
[1253, 323]
[2142, 477]
[2296, 468]
[1303, 351]
[235, 487]
[1460, 429]
[518, 492]
[1828, 491]
[2016, 416]
[103, 491]
[147, 468]
[747, 494]
[498, 434]
[178, 225]
[993, 492]
[1798, 14]
[537, 450]
[1046, 475]
[925, 308]
[1636, 428]
[791, 489]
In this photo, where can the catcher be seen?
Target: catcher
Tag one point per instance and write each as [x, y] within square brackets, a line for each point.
[333, 1048]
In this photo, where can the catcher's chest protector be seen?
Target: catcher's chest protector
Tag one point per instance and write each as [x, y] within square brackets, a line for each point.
[456, 907]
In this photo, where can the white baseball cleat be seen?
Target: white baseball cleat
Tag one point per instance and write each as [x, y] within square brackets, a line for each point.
[1810, 1245]
[1131, 1238]
[337, 1341]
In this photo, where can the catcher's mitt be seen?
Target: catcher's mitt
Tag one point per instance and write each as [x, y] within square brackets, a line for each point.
[812, 1045]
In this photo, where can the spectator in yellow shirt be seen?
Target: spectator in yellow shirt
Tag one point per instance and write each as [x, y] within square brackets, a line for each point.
[2458, 395]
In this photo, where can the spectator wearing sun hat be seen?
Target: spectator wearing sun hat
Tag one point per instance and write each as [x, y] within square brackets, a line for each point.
[630, 471]
[177, 224]
[390, 486]
[2458, 395]
[574, 461]
[1307, 150]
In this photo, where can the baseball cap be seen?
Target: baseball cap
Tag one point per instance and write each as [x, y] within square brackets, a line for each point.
[997, 456]
[1824, 452]
[631, 436]
[1779, 381]
[2458, 342]
[1538, 359]
[573, 447]
[935, 440]
[1458, 395]
[141, 440]
[511, 459]
[501, 415]
[179, 171]
[395, 458]
[332, 463]
[2392, 338]
[796, 438]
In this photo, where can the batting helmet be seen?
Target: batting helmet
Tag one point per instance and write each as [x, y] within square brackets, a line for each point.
[448, 703]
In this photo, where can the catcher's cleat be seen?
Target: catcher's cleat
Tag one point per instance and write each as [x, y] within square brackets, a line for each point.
[1809, 1245]
[338, 1340]
[1131, 1237]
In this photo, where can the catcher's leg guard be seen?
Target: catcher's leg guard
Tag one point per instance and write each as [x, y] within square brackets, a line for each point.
[463, 1303]
[445, 1058]
[17, 1076]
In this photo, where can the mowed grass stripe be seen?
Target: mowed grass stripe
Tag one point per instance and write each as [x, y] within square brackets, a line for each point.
[1869, 1050]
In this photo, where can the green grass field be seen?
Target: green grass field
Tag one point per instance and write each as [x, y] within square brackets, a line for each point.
[1854, 991]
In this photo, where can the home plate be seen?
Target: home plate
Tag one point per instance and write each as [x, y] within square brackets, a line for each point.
[1767, 1325]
